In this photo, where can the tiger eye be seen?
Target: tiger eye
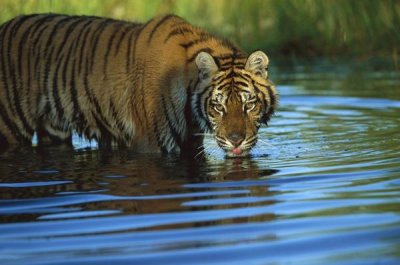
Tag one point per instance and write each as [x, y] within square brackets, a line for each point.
[250, 106]
[219, 107]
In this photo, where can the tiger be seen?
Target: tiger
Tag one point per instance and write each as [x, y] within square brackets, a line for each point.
[155, 87]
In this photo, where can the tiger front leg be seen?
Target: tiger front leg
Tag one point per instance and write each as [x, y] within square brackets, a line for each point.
[50, 135]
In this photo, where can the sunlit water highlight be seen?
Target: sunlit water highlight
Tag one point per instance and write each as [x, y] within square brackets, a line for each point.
[322, 188]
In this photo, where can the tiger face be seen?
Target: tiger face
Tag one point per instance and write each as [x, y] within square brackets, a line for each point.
[235, 101]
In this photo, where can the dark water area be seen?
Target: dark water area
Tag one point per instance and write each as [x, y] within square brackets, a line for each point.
[321, 187]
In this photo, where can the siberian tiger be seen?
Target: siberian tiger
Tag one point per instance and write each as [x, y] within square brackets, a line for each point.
[155, 87]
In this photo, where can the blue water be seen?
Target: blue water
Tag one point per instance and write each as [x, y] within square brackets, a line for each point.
[323, 187]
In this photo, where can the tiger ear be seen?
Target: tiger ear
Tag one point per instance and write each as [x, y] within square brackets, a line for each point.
[257, 63]
[206, 64]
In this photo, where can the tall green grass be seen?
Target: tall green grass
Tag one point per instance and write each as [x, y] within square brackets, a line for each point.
[289, 28]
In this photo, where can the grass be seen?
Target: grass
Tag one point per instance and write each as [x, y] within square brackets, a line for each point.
[357, 29]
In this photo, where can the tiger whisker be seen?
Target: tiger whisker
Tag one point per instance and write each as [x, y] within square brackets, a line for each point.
[203, 134]
[205, 148]
[264, 142]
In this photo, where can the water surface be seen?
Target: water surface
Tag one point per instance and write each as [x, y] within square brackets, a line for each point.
[322, 187]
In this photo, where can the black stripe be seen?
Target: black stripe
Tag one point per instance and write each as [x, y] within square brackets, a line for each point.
[232, 74]
[97, 33]
[36, 42]
[223, 84]
[17, 102]
[199, 106]
[12, 127]
[177, 31]
[70, 67]
[101, 121]
[105, 135]
[16, 23]
[160, 142]
[228, 44]
[230, 64]
[115, 117]
[30, 55]
[136, 114]
[271, 109]
[36, 52]
[128, 56]
[153, 31]
[129, 49]
[239, 65]
[264, 101]
[205, 105]
[240, 83]
[223, 57]
[143, 101]
[222, 79]
[245, 77]
[67, 33]
[56, 92]
[48, 44]
[54, 32]
[267, 116]
[218, 79]
[25, 89]
[271, 95]
[47, 69]
[84, 33]
[174, 133]
[193, 42]
[66, 64]
[123, 34]
[258, 91]
[269, 91]
[143, 74]
[78, 116]
[109, 47]
[22, 42]
[76, 43]
[188, 105]
[42, 25]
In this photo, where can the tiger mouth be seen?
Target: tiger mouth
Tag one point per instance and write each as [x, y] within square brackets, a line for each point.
[237, 152]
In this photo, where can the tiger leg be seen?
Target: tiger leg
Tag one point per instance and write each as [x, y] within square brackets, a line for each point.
[11, 133]
[6, 136]
[51, 135]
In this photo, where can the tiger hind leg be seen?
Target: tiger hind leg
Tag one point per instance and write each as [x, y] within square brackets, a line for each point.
[12, 135]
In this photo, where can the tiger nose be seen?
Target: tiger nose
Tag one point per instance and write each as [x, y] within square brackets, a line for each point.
[236, 138]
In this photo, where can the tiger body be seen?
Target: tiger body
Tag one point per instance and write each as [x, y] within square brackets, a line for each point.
[147, 86]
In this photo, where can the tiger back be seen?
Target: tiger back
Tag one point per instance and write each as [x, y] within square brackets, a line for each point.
[149, 86]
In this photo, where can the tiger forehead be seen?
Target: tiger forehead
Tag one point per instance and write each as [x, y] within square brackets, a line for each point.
[223, 96]
[225, 83]
[233, 73]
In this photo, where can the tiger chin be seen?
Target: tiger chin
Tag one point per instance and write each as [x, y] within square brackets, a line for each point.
[156, 87]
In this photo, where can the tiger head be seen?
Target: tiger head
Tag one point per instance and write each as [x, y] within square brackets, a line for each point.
[232, 100]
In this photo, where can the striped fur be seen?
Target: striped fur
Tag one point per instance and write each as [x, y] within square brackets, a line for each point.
[137, 85]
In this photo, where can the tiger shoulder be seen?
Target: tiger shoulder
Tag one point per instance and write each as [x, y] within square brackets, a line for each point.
[159, 86]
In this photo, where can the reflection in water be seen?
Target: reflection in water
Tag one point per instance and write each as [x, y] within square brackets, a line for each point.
[322, 188]
[113, 181]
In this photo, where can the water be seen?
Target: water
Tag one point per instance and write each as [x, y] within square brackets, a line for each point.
[323, 189]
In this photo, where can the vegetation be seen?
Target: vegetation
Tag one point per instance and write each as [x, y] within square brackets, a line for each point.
[360, 29]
